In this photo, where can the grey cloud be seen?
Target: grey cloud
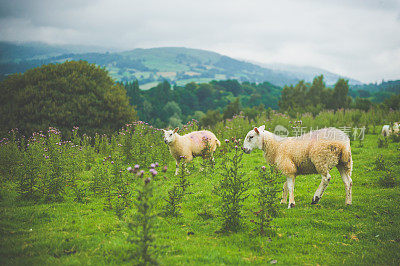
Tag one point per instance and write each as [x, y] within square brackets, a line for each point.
[359, 38]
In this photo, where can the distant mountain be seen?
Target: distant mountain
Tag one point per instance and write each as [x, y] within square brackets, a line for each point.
[177, 65]
[307, 73]
[37, 50]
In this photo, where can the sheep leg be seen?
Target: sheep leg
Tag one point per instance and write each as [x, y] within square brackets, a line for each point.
[322, 186]
[348, 183]
[284, 193]
[290, 188]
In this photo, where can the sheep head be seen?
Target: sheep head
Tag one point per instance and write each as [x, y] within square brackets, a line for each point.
[170, 135]
[253, 139]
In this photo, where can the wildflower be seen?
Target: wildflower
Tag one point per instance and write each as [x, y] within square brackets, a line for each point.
[152, 166]
[112, 162]
[236, 147]
[156, 164]
[147, 180]
[263, 167]
[137, 167]
[153, 172]
[165, 168]
[140, 173]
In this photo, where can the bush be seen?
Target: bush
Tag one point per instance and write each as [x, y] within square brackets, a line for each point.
[63, 95]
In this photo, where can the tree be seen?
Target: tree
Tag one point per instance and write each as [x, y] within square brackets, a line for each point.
[212, 117]
[233, 108]
[65, 95]
[171, 109]
[340, 99]
[314, 95]
[362, 104]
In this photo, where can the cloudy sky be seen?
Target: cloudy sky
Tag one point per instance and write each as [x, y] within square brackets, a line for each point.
[355, 38]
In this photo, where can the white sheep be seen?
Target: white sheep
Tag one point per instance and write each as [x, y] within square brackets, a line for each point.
[316, 152]
[190, 145]
[386, 131]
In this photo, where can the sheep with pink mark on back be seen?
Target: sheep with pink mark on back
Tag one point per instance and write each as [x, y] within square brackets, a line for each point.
[316, 152]
[191, 145]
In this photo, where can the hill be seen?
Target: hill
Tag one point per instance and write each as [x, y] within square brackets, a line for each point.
[177, 65]
[307, 73]
[376, 92]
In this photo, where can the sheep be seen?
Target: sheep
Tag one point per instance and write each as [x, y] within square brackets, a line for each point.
[190, 145]
[316, 152]
[386, 131]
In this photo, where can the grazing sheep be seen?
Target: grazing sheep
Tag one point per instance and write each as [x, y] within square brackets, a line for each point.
[386, 131]
[316, 152]
[190, 145]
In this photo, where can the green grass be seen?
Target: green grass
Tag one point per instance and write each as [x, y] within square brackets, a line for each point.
[368, 232]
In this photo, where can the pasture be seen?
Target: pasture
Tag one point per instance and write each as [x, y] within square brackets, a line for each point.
[72, 202]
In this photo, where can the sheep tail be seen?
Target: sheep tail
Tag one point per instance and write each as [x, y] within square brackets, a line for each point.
[346, 159]
[218, 142]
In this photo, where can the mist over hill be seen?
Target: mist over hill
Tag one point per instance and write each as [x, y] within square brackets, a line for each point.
[177, 65]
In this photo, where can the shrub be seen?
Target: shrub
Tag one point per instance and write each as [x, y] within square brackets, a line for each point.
[63, 95]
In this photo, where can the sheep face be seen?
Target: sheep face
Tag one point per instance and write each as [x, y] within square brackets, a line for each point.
[170, 135]
[253, 140]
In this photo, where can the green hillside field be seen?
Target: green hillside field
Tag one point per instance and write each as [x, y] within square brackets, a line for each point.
[88, 223]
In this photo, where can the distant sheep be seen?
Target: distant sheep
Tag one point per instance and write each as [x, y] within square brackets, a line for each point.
[386, 131]
[190, 145]
[316, 152]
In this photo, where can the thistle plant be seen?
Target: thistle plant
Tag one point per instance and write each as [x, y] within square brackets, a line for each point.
[387, 178]
[142, 223]
[267, 198]
[382, 142]
[177, 192]
[174, 199]
[207, 163]
[184, 173]
[232, 190]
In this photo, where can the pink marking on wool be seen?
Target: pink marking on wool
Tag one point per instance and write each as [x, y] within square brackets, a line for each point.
[198, 138]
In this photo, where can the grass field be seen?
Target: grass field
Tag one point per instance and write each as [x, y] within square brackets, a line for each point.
[367, 232]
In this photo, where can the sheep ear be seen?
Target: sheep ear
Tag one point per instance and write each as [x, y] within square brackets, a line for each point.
[261, 128]
[256, 130]
[176, 129]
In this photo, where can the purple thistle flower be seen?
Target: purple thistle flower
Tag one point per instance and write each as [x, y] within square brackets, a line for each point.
[156, 164]
[263, 167]
[165, 168]
[227, 140]
[129, 169]
[153, 172]
[140, 173]
[152, 166]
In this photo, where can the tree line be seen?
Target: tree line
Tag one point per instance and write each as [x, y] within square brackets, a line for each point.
[77, 93]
